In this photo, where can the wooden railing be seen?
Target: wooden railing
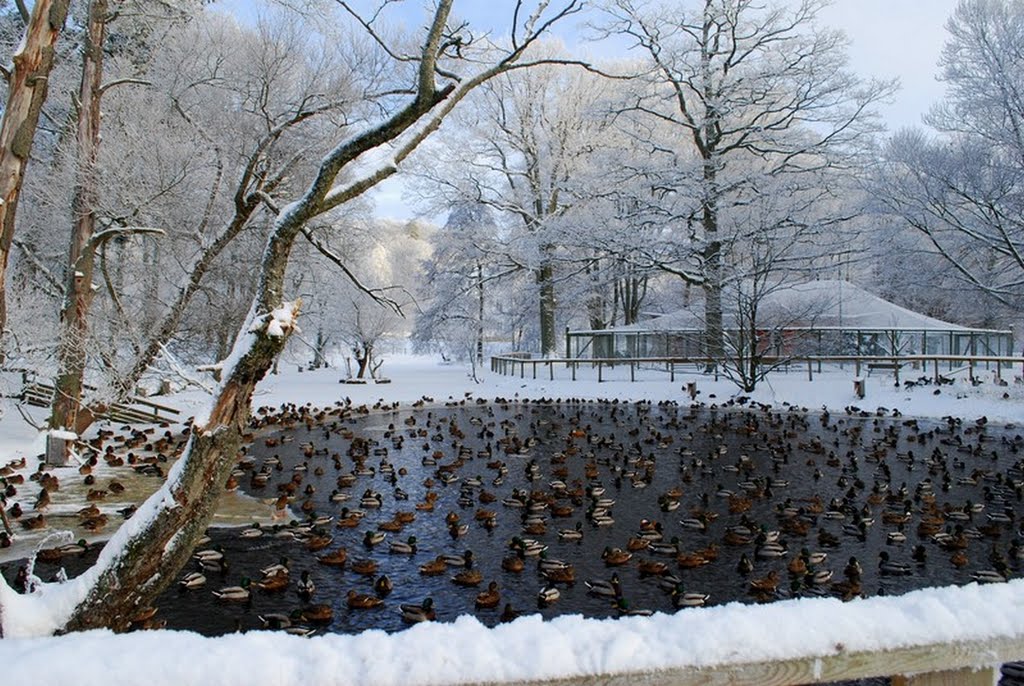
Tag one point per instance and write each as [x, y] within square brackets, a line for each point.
[136, 411]
[517, 364]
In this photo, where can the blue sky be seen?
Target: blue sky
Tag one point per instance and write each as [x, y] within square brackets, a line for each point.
[888, 38]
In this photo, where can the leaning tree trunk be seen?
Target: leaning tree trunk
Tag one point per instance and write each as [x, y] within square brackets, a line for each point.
[196, 483]
[78, 295]
[27, 87]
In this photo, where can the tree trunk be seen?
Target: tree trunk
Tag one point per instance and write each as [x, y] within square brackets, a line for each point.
[713, 326]
[545, 279]
[71, 355]
[26, 94]
[479, 315]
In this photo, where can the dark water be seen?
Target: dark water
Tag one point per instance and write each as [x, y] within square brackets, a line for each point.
[638, 453]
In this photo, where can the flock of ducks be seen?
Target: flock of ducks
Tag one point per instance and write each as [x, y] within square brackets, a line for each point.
[761, 501]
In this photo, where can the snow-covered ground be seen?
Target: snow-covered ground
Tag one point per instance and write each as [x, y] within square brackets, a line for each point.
[529, 648]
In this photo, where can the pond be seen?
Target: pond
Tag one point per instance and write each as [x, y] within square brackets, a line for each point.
[723, 499]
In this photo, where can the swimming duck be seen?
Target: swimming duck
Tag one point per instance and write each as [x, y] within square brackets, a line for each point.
[614, 557]
[888, 567]
[423, 612]
[305, 587]
[318, 614]
[362, 601]
[468, 577]
[548, 595]
[383, 585]
[408, 547]
[435, 567]
[489, 598]
[600, 587]
[336, 558]
[192, 580]
[681, 598]
[234, 593]
[364, 566]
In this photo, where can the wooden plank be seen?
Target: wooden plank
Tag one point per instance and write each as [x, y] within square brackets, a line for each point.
[960, 677]
[961, 659]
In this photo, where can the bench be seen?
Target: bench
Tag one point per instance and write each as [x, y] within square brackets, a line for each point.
[136, 411]
[884, 366]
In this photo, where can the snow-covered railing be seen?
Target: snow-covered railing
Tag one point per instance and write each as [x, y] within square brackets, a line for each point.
[953, 635]
[517, 365]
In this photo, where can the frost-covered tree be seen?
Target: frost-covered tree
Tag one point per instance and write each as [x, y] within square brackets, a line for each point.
[523, 151]
[737, 93]
[962, 188]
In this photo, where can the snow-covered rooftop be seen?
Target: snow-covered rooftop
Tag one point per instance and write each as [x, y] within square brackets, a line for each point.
[829, 303]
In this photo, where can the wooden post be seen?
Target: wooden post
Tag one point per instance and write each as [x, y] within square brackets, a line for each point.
[691, 389]
[859, 387]
[856, 367]
[534, 368]
[574, 371]
[936, 370]
[984, 676]
[672, 370]
[58, 448]
[599, 379]
[632, 371]
[970, 370]
[810, 370]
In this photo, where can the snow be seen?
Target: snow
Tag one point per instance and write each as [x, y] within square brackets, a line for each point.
[528, 648]
[64, 435]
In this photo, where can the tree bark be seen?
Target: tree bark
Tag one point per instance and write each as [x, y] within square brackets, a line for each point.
[547, 304]
[78, 295]
[27, 88]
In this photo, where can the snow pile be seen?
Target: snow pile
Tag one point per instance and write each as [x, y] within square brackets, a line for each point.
[528, 648]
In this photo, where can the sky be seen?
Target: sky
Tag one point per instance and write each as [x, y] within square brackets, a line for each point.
[888, 39]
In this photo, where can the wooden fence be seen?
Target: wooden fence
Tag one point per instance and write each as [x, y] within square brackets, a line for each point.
[517, 364]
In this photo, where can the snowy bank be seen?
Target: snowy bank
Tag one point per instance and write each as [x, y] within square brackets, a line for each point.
[528, 649]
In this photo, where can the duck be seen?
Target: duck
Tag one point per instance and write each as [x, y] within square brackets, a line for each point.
[318, 614]
[766, 584]
[464, 560]
[887, 567]
[364, 566]
[383, 585]
[489, 598]
[435, 567]
[547, 595]
[614, 557]
[234, 594]
[191, 581]
[574, 534]
[305, 588]
[362, 601]
[681, 598]
[424, 612]
[281, 568]
[508, 614]
[335, 558]
[372, 538]
[513, 564]
[275, 583]
[608, 588]
[468, 577]
[407, 547]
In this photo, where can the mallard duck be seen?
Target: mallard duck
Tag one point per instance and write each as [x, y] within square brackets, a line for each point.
[468, 577]
[513, 563]
[372, 538]
[765, 584]
[600, 587]
[282, 567]
[275, 583]
[744, 566]
[383, 586]
[489, 598]
[408, 547]
[464, 560]
[423, 612]
[192, 580]
[318, 614]
[614, 557]
[234, 593]
[988, 576]
[561, 575]
[305, 588]
[508, 614]
[548, 595]
[652, 568]
[435, 567]
[681, 598]
[362, 601]
[853, 571]
[364, 566]
[335, 558]
[574, 534]
[887, 567]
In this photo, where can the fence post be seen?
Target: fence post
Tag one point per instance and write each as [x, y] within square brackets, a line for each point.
[574, 371]
[534, 368]
[858, 387]
[810, 370]
[691, 389]
[672, 370]
[599, 379]
[632, 372]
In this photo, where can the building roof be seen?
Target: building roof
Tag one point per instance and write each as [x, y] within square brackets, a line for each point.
[825, 304]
